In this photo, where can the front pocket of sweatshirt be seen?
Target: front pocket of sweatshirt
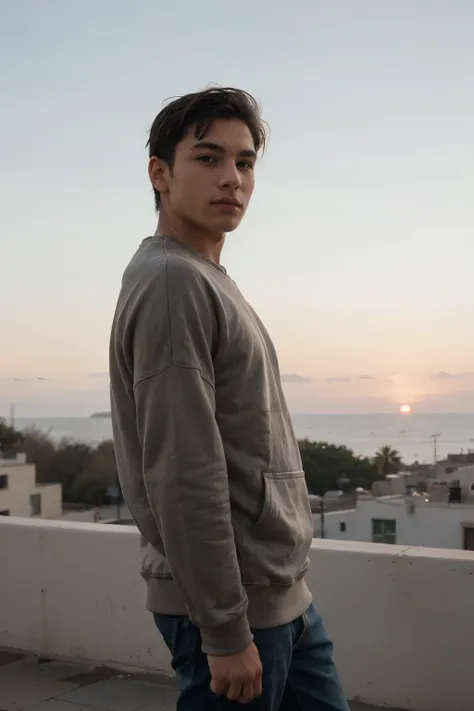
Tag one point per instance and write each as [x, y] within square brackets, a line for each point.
[154, 563]
[275, 548]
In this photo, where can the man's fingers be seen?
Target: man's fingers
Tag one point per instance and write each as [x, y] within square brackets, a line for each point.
[248, 693]
[237, 676]
[234, 691]
[219, 686]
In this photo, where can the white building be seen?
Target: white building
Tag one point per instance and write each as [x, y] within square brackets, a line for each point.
[454, 462]
[21, 496]
[392, 485]
[408, 521]
[455, 484]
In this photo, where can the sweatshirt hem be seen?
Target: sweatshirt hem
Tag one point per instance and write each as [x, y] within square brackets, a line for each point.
[268, 607]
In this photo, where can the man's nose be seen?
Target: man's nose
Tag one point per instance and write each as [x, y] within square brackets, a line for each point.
[230, 177]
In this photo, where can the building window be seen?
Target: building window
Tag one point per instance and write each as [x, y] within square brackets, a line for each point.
[468, 538]
[3, 481]
[384, 530]
[342, 527]
[6, 512]
[35, 504]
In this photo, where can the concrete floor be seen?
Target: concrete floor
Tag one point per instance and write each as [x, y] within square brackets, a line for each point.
[28, 683]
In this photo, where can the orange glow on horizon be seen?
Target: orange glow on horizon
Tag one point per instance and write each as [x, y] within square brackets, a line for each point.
[405, 409]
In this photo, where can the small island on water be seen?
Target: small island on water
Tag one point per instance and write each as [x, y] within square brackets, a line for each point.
[101, 415]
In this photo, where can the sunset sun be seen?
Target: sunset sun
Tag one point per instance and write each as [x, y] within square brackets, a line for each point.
[405, 409]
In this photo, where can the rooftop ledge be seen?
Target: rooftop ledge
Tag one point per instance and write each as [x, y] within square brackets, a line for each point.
[401, 617]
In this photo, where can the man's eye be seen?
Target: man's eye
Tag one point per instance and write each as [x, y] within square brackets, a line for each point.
[207, 159]
[246, 164]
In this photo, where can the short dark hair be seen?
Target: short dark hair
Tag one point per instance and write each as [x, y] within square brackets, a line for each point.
[200, 110]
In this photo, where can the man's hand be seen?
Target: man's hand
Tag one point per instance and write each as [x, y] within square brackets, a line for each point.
[238, 677]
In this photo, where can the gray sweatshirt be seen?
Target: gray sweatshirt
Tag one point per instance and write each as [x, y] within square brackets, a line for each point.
[206, 453]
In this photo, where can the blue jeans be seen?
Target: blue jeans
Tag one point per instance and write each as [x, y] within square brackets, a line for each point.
[298, 669]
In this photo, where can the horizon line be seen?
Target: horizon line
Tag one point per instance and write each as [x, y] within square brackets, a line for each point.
[293, 414]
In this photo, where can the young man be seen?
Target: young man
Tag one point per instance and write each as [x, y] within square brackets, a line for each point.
[207, 457]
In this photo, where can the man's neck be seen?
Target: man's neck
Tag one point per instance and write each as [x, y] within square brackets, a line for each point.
[206, 244]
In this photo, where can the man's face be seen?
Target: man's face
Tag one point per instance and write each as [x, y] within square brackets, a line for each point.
[211, 180]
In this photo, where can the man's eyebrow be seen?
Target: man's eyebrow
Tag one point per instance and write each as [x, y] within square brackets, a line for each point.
[246, 153]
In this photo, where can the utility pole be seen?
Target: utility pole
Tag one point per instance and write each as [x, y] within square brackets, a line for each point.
[12, 415]
[323, 530]
[119, 497]
[434, 437]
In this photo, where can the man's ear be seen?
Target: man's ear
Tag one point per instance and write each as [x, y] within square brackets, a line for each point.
[159, 173]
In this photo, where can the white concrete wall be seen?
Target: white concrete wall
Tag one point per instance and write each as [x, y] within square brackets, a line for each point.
[401, 618]
[74, 590]
[433, 525]
[107, 513]
[21, 484]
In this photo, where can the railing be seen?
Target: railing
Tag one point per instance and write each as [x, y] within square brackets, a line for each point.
[401, 618]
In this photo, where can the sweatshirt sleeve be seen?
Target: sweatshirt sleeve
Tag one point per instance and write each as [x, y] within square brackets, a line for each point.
[184, 465]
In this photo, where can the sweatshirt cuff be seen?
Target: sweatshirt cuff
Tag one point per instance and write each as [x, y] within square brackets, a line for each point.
[228, 639]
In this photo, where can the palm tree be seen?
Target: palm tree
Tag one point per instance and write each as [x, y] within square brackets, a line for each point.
[388, 460]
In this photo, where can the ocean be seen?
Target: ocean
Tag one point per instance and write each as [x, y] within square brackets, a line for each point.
[411, 434]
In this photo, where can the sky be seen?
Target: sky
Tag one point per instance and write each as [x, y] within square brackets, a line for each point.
[357, 250]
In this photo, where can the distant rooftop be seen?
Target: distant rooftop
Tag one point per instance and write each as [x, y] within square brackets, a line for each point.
[7, 458]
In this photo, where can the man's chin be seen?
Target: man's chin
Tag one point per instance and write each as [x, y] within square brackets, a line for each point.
[228, 225]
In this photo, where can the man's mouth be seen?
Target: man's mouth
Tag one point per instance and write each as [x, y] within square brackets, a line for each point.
[227, 201]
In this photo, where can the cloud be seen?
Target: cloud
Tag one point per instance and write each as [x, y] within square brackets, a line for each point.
[443, 375]
[104, 374]
[348, 378]
[294, 378]
[25, 380]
